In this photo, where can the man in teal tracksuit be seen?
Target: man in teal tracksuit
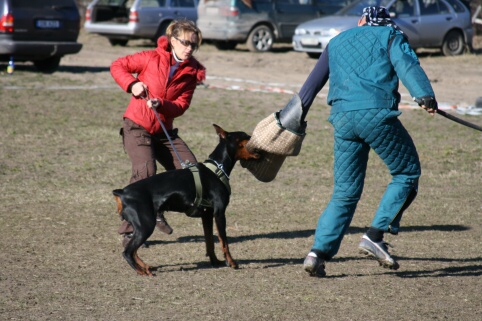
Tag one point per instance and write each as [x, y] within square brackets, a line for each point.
[364, 66]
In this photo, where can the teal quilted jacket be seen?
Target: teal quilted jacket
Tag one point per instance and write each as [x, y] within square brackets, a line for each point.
[366, 64]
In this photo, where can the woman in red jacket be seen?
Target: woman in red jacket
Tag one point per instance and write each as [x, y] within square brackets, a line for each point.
[168, 75]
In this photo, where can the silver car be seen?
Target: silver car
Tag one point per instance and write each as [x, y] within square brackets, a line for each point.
[258, 23]
[123, 20]
[444, 24]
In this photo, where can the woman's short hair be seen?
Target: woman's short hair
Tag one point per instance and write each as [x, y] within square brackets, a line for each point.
[177, 27]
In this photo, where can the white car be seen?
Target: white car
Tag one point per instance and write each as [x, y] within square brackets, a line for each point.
[444, 24]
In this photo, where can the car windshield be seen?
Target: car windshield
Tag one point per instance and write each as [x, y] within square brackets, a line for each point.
[356, 8]
[41, 4]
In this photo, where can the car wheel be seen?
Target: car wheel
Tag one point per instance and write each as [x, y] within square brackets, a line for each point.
[225, 45]
[453, 44]
[47, 66]
[314, 55]
[260, 39]
[118, 42]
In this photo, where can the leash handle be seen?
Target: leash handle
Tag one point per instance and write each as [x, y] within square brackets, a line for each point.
[154, 106]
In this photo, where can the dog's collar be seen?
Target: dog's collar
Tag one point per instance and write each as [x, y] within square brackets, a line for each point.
[219, 166]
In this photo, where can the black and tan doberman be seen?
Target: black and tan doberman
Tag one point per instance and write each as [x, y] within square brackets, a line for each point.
[199, 191]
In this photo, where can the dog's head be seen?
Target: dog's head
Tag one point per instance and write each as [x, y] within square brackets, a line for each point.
[239, 141]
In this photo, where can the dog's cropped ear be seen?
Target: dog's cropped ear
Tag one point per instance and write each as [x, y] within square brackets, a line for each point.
[221, 132]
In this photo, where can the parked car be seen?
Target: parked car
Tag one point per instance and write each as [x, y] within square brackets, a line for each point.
[444, 24]
[258, 23]
[39, 31]
[123, 20]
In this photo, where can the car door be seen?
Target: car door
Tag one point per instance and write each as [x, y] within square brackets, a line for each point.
[435, 18]
[290, 13]
[150, 14]
[184, 9]
[406, 16]
[428, 23]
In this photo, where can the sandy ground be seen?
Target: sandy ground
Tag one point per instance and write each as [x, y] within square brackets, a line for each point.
[457, 81]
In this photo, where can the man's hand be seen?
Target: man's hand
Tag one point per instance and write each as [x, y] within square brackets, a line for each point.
[428, 103]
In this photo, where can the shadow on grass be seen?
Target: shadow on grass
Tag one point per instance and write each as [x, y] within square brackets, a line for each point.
[267, 263]
[62, 69]
[454, 271]
[470, 270]
[307, 233]
[82, 69]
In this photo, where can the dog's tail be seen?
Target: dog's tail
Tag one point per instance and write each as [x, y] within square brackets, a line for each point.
[118, 198]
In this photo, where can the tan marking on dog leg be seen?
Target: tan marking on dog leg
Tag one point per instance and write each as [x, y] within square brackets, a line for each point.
[227, 254]
[143, 268]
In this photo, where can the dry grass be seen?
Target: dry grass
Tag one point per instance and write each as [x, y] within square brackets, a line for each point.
[60, 157]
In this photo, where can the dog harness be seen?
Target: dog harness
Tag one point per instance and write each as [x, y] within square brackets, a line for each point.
[217, 169]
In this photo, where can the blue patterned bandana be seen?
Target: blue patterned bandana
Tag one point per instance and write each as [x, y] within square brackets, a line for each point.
[379, 16]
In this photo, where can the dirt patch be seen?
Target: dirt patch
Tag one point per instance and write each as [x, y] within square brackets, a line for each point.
[456, 80]
[61, 156]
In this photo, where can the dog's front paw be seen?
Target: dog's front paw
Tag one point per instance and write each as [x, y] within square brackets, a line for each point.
[231, 263]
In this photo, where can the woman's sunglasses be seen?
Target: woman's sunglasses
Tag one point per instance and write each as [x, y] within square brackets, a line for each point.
[186, 43]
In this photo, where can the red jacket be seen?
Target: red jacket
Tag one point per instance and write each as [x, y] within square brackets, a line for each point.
[152, 68]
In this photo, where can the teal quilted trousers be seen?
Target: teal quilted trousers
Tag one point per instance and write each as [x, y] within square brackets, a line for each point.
[356, 132]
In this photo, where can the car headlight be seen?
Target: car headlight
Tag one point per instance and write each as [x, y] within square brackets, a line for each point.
[333, 32]
[300, 31]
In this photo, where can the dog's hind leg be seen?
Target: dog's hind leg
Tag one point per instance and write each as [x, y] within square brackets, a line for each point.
[131, 256]
[207, 219]
[143, 227]
[130, 251]
[223, 240]
[146, 268]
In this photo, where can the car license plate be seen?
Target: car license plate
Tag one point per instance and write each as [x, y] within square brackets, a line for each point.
[48, 24]
[309, 41]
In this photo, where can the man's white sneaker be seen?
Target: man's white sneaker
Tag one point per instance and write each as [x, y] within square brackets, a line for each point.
[378, 250]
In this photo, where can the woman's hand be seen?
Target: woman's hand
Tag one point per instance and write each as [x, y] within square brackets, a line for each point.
[153, 103]
[139, 89]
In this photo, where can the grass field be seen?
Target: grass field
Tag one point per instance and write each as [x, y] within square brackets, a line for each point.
[61, 156]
